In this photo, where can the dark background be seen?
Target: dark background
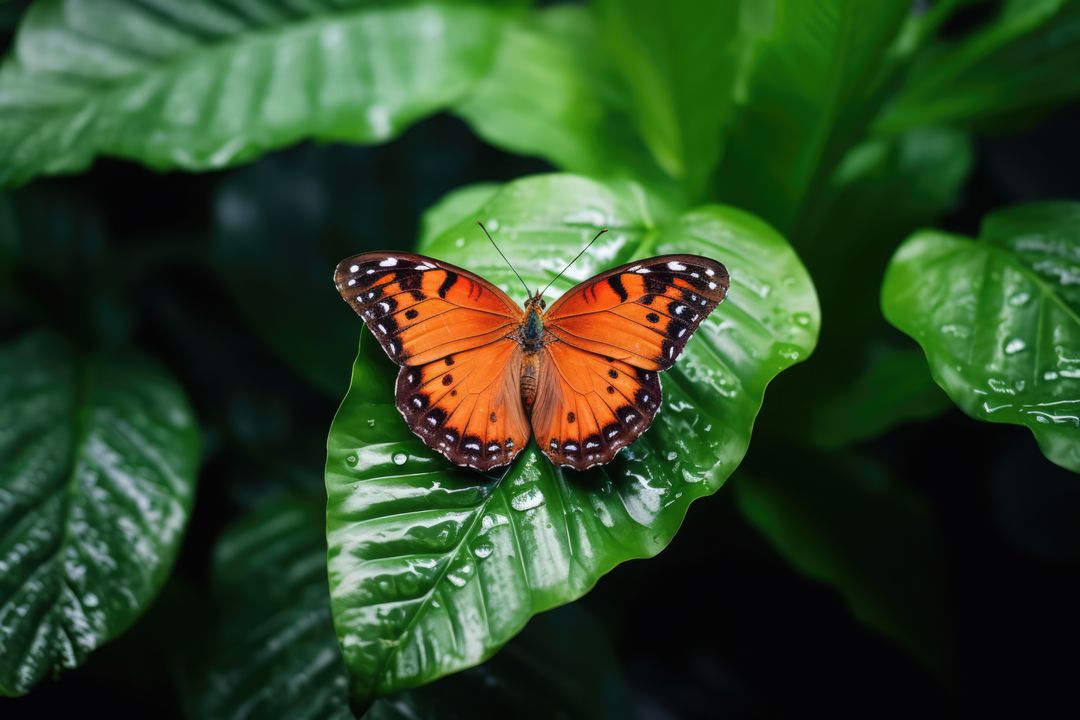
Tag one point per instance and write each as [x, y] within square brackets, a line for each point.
[743, 634]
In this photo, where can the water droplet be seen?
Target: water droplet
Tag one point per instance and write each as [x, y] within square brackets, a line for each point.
[492, 224]
[90, 600]
[673, 455]
[1014, 346]
[456, 580]
[527, 500]
[483, 550]
[955, 330]
[1019, 299]
[801, 318]
[1050, 375]
[371, 422]
[460, 242]
[790, 353]
[352, 460]
[400, 458]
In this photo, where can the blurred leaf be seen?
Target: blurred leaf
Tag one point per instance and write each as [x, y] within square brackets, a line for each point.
[803, 102]
[98, 458]
[998, 319]
[1025, 60]
[549, 94]
[894, 387]
[195, 86]
[277, 655]
[434, 567]
[883, 190]
[850, 525]
[678, 60]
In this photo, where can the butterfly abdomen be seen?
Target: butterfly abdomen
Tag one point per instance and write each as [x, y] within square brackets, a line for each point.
[530, 371]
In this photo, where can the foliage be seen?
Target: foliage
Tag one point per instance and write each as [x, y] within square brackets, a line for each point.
[797, 141]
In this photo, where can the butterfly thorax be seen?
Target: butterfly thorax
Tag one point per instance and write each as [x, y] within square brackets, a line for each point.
[531, 336]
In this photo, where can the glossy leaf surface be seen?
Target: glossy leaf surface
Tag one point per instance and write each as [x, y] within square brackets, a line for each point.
[999, 319]
[199, 85]
[97, 472]
[434, 567]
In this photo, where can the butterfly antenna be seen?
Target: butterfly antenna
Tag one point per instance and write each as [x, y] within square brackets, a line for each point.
[503, 256]
[573, 261]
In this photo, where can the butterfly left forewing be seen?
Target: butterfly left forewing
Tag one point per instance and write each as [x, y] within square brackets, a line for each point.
[421, 309]
[643, 312]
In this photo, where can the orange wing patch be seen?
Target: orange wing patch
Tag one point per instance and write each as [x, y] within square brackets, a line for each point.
[420, 309]
[641, 313]
[589, 407]
[467, 405]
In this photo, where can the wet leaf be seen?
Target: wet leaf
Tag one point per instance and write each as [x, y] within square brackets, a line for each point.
[999, 319]
[98, 456]
[434, 567]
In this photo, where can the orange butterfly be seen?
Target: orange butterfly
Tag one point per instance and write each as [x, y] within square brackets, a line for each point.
[477, 370]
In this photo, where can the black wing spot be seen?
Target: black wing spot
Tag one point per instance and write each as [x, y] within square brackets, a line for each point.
[449, 360]
[411, 314]
[494, 417]
[571, 417]
[418, 296]
[611, 390]
[447, 283]
[616, 283]
[613, 373]
[453, 393]
[447, 379]
[410, 281]
[652, 317]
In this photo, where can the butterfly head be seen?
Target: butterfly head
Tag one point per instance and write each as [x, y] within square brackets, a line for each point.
[536, 303]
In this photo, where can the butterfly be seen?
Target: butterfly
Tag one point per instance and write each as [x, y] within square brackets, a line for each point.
[479, 374]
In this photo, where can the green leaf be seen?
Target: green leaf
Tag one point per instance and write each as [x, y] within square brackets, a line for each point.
[882, 191]
[804, 100]
[98, 456]
[999, 319]
[195, 86]
[550, 94]
[1025, 60]
[277, 656]
[679, 61]
[850, 525]
[434, 567]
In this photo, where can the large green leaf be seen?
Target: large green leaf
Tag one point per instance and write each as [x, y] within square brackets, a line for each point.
[550, 94]
[851, 525]
[999, 319]
[1025, 60]
[199, 85]
[97, 468]
[804, 102]
[679, 61]
[434, 567]
[276, 655]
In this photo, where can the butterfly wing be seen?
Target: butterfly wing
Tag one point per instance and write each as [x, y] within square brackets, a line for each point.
[421, 309]
[598, 387]
[641, 313]
[459, 385]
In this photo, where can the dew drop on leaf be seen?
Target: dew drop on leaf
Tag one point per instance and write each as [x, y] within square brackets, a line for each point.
[400, 458]
[1014, 346]
[527, 500]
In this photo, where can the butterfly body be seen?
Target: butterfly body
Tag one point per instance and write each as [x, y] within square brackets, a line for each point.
[480, 374]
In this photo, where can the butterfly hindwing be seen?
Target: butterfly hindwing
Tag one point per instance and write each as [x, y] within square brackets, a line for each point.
[588, 407]
[467, 405]
[421, 309]
[641, 313]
